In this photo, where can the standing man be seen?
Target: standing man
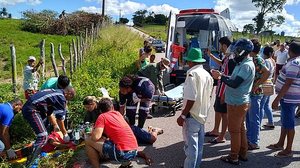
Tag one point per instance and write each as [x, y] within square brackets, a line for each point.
[31, 79]
[7, 113]
[227, 66]
[134, 89]
[253, 116]
[154, 71]
[196, 99]
[287, 87]
[48, 103]
[281, 57]
[237, 97]
[121, 146]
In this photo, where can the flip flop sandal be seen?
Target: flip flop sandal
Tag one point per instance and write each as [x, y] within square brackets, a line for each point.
[283, 155]
[274, 147]
[215, 141]
[209, 134]
[228, 159]
[253, 147]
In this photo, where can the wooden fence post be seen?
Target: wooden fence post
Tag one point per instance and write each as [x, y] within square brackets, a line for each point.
[52, 55]
[81, 48]
[92, 34]
[62, 60]
[78, 51]
[75, 55]
[86, 38]
[42, 57]
[14, 67]
[71, 60]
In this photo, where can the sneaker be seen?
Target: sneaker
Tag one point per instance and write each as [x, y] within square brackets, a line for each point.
[266, 126]
[32, 158]
[149, 116]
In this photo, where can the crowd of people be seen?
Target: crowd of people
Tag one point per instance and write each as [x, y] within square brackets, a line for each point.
[244, 86]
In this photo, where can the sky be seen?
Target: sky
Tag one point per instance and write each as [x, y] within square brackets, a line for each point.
[242, 11]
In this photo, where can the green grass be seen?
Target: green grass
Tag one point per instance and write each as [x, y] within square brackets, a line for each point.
[156, 31]
[160, 31]
[26, 44]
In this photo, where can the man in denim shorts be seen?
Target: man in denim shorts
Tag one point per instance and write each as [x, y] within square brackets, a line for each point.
[122, 145]
[287, 87]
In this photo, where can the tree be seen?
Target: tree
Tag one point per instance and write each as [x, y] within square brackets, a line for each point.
[249, 28]
[139, 17]
[160, 19]
[4, 13]
[265, 7]
[274, 22]
[123, 20]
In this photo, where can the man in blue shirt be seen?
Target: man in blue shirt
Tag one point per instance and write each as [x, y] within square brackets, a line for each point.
[7, 113]
[134, 89]
[237, 97]
[50, 104]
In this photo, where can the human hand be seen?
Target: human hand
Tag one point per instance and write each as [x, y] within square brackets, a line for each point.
[275, 104]
[66, 138]
[215, 74]
[180, 121]
[11, 154]
[135, 98]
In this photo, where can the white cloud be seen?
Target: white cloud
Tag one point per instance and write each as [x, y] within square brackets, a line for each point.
[91, 9]
[163, 9]
[14, 2]
[127, 7]
[292, 2]
[243, 11]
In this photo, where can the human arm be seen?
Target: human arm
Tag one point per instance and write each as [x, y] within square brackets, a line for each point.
[264, 77]
[282, 92]
[233, 83]
[96, 134]
[37, 66]
[217, 60]
[185, 112]
[5, 136]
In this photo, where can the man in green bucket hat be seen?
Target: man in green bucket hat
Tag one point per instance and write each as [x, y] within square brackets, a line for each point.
[197, 91]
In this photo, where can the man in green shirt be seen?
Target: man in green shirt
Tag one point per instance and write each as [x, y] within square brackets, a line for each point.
[60, 82]
[154, 71]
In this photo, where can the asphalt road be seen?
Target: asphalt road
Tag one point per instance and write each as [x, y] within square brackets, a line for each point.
[167, 151]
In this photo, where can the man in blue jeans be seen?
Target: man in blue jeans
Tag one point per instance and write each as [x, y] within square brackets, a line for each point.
[7, 113]
[253, 115]
[197, 92]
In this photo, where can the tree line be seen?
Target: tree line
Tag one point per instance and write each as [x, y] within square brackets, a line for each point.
[142, 17]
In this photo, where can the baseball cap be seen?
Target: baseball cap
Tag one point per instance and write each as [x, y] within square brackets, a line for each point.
[31, 58]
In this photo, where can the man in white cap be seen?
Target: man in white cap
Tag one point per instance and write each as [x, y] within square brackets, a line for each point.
[31, 79]
[154, 71]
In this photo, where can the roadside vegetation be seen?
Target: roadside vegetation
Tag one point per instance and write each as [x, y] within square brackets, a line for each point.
[26, 44]
[112, 56]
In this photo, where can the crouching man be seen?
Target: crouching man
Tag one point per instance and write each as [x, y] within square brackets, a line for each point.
[121, 144]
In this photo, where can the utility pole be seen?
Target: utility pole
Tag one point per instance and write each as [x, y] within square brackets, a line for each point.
[120, 10]
[103, 7]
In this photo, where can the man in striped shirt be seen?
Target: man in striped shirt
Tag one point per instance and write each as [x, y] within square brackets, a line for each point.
[288, 89]
[48, 103]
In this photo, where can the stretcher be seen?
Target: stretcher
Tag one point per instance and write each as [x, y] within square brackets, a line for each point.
[171, 100]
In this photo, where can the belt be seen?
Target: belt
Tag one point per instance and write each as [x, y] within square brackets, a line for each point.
[188, 115]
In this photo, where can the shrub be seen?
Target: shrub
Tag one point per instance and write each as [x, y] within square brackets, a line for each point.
[111, 58]
[47, 22]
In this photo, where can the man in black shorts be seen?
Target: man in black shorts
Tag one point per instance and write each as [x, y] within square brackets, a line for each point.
[227, 66]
